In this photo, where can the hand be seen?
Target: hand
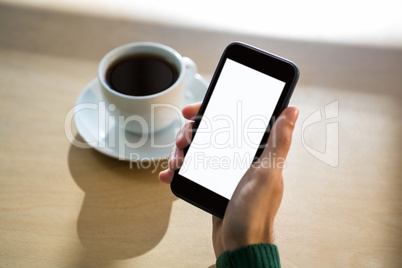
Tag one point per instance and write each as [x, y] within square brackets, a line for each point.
[250, 214]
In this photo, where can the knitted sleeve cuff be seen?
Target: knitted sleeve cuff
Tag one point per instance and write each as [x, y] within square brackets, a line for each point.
[258, 255]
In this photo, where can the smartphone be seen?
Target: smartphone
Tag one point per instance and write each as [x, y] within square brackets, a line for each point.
[248, 91]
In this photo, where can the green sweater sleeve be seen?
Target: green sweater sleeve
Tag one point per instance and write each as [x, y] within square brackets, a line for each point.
[258, 255]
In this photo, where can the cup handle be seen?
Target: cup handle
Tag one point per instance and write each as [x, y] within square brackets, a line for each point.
[191, 68]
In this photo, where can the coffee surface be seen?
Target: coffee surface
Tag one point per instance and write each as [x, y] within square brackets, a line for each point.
[141, 75]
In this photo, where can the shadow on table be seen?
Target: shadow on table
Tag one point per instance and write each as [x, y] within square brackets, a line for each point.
[126, 210]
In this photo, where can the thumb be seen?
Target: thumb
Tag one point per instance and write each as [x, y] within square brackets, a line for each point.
[280, 137]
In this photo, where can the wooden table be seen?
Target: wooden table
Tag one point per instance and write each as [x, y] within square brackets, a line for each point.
[63, 206]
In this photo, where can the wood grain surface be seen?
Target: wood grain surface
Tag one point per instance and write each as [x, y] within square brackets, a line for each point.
[64, 206]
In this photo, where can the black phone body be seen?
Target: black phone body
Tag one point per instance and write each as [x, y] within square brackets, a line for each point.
[248, 91]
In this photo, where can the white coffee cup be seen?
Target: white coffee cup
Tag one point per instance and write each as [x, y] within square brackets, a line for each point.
[150, 113]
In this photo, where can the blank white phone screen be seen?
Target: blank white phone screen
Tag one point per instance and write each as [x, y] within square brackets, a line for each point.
[231, 128]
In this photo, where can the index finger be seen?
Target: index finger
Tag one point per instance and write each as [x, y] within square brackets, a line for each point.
[190, 111]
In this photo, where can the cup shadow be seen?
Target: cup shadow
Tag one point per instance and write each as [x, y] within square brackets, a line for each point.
[126, 210]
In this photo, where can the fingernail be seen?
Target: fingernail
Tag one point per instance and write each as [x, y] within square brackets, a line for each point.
[292, 115]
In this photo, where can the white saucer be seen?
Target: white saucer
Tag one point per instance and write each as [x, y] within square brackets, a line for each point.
[108, 138]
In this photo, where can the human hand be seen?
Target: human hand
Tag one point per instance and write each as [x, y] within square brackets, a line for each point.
[183, 139]
[250, 213]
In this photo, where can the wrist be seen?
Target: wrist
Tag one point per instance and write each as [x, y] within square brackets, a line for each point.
[261, 235]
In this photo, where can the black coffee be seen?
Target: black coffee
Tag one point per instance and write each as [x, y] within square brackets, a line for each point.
[141, 75]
